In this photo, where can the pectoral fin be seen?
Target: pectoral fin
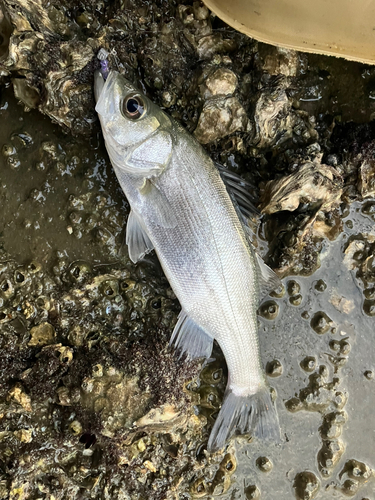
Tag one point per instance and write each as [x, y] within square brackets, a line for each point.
[139, 244]
[152, 156]
[190, 339]
[163, 213]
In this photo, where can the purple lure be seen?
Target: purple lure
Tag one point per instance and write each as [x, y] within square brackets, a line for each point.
[104, 63]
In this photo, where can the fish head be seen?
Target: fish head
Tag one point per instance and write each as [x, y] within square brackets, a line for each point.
[127, 116]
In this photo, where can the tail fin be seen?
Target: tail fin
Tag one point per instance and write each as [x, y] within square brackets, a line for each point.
[254, 414]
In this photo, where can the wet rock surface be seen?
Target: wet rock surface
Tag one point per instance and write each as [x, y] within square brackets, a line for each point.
[92, 402]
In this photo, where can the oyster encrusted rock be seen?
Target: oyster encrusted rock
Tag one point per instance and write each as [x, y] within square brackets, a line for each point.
[313, 183]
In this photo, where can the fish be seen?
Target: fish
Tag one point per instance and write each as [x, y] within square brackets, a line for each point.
[182, 208]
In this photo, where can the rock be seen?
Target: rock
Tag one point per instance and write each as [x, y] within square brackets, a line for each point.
[220, 117]
[213, 44]
[341, 303]
[29, 95]
[312, 183]
[366, 181]
[281, 61]
[222, 82]
[306, 485]
[42, 334]
[19, 395]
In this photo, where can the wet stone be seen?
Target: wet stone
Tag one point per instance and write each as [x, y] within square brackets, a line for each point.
[293, 288]
[42, 334]
[308, 364]
[269, 310]
[320, 286]
[274, 368]
[264, 464]
[295, 300]
[321, 323]
[252, 492]
[306, 485]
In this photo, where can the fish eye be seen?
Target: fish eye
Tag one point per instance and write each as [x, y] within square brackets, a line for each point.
[133, 107]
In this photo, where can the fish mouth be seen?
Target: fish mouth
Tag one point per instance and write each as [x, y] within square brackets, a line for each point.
[98, 84]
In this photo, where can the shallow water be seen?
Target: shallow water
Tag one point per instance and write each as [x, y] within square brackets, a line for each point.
[50, 187]
[61, 203]
[290, 339]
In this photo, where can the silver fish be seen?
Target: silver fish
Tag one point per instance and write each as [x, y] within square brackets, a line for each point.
[180, 207]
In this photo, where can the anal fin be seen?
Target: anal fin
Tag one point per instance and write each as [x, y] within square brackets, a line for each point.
[190, 339]
[139, 244]
[268, 279]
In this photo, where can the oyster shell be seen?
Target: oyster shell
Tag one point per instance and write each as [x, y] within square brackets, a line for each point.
[38, 45]
[313, 183]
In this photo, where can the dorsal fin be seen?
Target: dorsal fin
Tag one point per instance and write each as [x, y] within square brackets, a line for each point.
[243, 199]
[239, 190]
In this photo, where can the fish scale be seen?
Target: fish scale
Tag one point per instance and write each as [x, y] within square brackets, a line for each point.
[182, 209]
